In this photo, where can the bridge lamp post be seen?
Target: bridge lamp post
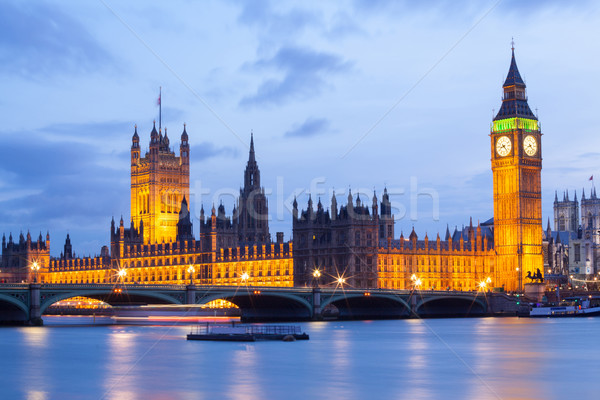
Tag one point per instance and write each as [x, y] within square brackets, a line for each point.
[418, 283]
[482, 286]
[341, 281]
[121, 274]
[35, 267]
[191, 271]
[245, 276]
[316, 276]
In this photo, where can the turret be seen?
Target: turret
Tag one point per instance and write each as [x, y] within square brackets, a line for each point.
[68, 249]
[334, 208]
[413, 238]
[135, 147]
[184, 225]
[154, 142]
[350, 201]
[295, 209]
[374, 206]
[184, 148]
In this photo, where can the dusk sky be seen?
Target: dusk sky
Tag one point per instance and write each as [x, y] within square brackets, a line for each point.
[359, 94]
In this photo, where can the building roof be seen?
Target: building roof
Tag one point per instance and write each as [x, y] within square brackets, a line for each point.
[512, 106]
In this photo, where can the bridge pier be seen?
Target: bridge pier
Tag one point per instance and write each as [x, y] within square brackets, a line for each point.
[35, 316]
[317, 315]
[190, 294]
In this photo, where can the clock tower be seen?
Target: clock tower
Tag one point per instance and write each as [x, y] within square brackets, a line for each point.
[516, 165]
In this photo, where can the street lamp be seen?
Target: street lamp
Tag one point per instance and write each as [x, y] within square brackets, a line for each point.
[341, 281]
[191, 271]
[35, 267]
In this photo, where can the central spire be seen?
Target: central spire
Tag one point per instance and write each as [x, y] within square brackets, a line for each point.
[252, 157]
[252, 173]
[514, 102]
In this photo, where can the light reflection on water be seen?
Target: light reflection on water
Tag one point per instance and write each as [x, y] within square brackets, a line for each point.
[487, 358]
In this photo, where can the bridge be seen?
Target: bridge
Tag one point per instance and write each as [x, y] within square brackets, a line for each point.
[26, 303]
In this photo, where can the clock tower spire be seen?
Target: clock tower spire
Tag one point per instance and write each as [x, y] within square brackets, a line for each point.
[516, 166]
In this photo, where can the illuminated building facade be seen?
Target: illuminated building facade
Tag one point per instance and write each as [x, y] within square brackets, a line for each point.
[462, 261]
[354, 242]
[159, 182]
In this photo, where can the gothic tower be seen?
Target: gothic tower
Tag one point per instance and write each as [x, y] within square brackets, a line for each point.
[590, 217]
[159, 182]
[252, 210]
[566, 213]
[516, 166]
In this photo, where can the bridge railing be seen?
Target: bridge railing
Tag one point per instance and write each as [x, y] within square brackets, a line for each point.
[14, 285]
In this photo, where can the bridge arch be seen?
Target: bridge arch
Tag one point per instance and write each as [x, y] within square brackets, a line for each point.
[450, 306]
[373, 306]
[13, 309]
[265, 305]
[110, 297]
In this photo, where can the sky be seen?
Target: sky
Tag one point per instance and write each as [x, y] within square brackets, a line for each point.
[356, 95]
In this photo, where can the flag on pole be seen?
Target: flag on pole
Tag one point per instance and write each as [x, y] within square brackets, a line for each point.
[158, 101]
[591, 177]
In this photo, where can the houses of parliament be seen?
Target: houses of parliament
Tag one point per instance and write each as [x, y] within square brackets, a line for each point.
[352, 244]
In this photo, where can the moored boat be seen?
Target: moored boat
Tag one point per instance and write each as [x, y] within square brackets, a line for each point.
[246, 333]
[569, 307]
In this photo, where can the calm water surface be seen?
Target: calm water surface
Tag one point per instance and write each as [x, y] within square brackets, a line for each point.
[487, 358]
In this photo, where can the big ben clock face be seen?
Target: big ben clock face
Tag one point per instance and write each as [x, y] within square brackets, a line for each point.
[530, 145]
[503, 146]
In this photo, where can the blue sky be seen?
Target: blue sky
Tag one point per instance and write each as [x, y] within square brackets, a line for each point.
[360, 94]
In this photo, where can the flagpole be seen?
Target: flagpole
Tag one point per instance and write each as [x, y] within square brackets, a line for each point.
[159, 108]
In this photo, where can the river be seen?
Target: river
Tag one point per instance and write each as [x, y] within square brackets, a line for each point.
[477, 358]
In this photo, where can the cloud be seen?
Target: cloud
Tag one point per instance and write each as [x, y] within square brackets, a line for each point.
[54, 185]
[310, 127]
[304, 75]
[277, 24]
[206, 150]
[38, 40]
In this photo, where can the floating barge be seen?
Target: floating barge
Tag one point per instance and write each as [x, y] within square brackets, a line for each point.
[247, 333]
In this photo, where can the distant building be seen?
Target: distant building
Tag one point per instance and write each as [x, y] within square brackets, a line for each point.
[574, 248]
[340, 245]
[19, 257]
